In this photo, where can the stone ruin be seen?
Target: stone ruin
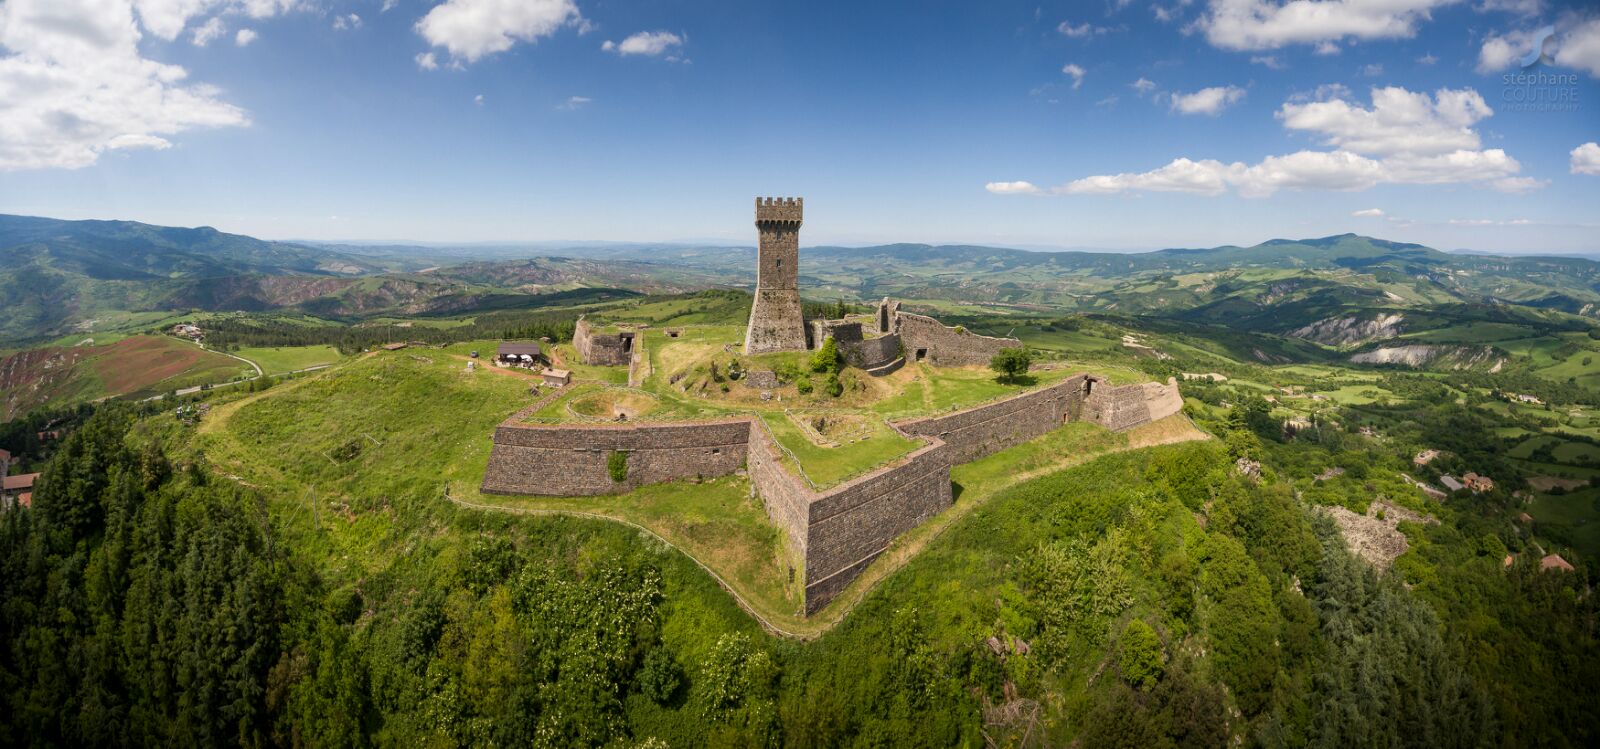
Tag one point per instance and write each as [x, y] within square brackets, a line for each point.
[776, 322]
[836, 531]
[602, 349]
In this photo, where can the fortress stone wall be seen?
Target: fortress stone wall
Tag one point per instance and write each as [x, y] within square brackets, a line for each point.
[840, 530]
[602, 349]
[990, 428]
[834, 532]
[858, 350]
[927, 339]
[1125, 407]
[571, 460]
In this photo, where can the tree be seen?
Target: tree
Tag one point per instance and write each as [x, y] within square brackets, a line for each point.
[1139, 654]
[1011, 363]
[827, 359]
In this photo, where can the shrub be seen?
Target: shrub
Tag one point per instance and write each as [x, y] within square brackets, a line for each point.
[1139, 654]
[803, 385]
[659, 677]
[833, 386]
[1011, 363]
[617, 465]
[827, 359]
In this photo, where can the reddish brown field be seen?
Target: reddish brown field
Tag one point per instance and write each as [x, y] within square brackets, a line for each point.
[142, 362]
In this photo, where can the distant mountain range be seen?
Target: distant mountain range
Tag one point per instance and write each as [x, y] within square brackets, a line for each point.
[60, 274]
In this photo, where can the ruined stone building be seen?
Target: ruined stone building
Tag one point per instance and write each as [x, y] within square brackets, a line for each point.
[776, 323]
[602, 349]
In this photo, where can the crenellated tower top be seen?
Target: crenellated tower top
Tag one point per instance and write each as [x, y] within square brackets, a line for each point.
[779, 210]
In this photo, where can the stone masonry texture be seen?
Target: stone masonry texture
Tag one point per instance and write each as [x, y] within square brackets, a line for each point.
[838, 531]
[776, 320]
[601, 349]
[927, 339]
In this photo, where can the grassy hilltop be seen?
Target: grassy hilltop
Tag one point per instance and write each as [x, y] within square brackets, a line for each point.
[307, 560]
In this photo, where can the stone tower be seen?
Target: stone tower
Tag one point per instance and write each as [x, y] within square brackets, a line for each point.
[776, 323]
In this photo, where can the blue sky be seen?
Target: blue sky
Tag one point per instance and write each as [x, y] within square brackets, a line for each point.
[1115, 125]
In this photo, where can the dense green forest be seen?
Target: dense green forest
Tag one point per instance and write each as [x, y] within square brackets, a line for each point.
[1154, 598]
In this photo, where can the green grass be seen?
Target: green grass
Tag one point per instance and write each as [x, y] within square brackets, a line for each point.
[1525, 449]
[826, 466]
[1360, 394]
[281, 359]
[718, 522]
[1572, 517]
[1481, 332]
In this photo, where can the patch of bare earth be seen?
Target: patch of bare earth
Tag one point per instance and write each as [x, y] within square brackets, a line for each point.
[1375, 536]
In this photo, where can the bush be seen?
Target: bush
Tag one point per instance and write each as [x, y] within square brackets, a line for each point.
[1139, 654]
[803, 385]
[617, 465]
[827, 359]
[1011, 363]
[659, 677]
[833, 386]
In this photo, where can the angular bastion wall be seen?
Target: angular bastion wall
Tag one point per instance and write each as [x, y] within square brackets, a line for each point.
[835, 532]
[602, 349]
[571, 460]
[927, 339]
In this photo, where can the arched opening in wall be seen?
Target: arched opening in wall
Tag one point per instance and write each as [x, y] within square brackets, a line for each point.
[922, 353]
[627, 344]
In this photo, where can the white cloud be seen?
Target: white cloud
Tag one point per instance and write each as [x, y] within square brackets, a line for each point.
[1519, 184]
[1372, 71]
[1585, 159]
[1327, 48]
[1143, 86]
[1403, 138]
[1209, 101]
[1580, 47]
[1011, 188]
[1523, 7]
[1169, 13]
[1399, 121]
[388, 5]
[1271, 61]
[74, 86]
[1368, 213]
[427, 61]
[1501, 50]
[208, 31]
[574, 102]
[1576, 45]
[1427, 59]
[1081, 31]
[1076, 72]
[478, 100]
[1268, 24]
[346, 22]
[646, 43]
[472, 29]
[244, 37]
[168, 18]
